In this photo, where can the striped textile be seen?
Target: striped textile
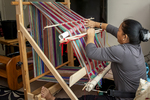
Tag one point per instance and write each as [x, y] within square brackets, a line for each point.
[65, 72]
[46, 39]
[48, 13]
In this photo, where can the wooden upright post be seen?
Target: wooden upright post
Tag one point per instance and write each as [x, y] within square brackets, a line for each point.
[70, 54]
[69, 48]
[68, 3]
[22, 49]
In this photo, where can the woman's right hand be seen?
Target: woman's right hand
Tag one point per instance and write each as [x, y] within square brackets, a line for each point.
[90, 35]
[89, 23]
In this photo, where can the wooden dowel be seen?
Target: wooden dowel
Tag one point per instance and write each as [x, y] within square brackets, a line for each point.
[64, 23]
[60, 24]
[16, 3]
[33, 79]
[48, 72]
[28, 3]
[76, 36]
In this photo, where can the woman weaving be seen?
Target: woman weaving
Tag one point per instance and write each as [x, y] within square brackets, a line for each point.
[128, 64]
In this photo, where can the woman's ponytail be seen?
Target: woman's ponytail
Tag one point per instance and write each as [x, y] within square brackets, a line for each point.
[144, 35]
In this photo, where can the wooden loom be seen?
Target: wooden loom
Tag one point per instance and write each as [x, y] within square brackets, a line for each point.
[22, 34]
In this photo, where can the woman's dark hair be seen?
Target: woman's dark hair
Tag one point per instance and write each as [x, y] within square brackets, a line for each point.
[135, 31]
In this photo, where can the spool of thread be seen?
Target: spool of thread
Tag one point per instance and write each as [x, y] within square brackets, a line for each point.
[63, 35]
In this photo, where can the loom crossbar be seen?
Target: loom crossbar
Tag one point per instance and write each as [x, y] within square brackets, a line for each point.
[48, 72]
[77, 76]
[29, 3]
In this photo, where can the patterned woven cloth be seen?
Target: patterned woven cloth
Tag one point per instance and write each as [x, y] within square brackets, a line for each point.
[42, 14]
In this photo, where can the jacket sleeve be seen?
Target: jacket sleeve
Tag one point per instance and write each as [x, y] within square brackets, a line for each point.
[113, 53]
[112, 30]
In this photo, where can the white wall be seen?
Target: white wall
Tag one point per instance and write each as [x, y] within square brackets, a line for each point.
[118, 10]
[8, 10]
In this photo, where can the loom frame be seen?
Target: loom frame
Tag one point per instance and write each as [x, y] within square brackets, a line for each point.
[22, 35]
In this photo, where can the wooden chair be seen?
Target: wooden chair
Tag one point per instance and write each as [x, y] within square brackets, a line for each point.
[11, 70]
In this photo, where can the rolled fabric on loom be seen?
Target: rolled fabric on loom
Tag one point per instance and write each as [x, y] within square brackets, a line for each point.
[64, 36]
[90, 85]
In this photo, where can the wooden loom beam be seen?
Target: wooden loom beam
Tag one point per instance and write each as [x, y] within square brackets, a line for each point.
[70, 54]
[69, 48]
[33, 79]
[77, 76]
[28, 3]
[22, 48]
[91, 84]
[68, 3]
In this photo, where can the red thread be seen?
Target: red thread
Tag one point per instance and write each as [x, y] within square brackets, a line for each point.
[68, 40]
[62, 46]
[102, 33]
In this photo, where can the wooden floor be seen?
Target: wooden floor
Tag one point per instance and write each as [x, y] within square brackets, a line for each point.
[34, 85]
